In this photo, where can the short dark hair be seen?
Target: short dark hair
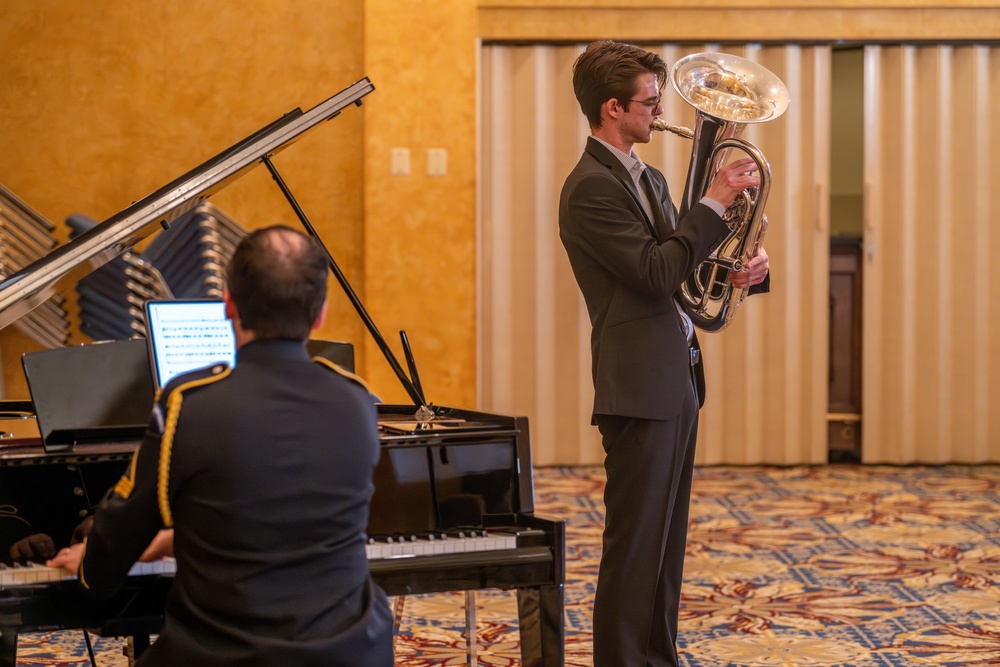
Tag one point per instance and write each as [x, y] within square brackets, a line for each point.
[609, 70]
[277, 280]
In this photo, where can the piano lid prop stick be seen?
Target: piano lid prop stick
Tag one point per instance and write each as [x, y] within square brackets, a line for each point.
[423, 411]
[411, 363]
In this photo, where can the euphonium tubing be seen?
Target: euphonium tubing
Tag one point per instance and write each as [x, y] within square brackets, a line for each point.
[728, 92]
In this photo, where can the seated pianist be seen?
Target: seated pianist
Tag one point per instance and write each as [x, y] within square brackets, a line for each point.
[261, 476]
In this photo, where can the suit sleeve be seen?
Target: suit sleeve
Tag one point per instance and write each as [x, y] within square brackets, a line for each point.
[126, 520]
[762, 288]
[608, 229]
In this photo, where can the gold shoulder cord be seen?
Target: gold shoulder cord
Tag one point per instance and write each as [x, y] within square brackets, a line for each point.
[125, 485]
[167, 441]
[341, 371]
[83, 554]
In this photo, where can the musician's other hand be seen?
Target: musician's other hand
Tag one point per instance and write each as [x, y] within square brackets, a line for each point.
[733, 179]
[68, 558]
[753, 272]
[82, 530]
[162, 546]
[36, 548]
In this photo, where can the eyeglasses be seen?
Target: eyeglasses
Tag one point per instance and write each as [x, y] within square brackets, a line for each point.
[651, 104]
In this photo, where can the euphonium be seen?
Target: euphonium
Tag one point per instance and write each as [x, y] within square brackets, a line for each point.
[728, 93]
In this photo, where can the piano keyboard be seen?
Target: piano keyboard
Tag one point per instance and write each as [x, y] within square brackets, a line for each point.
[32, 573]
[407, 547]
[376, 549]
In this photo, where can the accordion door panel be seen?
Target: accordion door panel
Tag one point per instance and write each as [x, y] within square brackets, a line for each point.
[931, 313]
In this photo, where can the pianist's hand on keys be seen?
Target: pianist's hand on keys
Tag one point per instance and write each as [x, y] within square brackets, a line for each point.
[32, 573]
[68, 558]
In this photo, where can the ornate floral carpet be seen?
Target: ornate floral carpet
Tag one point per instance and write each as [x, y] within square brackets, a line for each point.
[810, 566]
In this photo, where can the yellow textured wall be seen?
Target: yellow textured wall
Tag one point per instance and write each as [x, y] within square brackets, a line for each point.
[102, 103]
[420, 230]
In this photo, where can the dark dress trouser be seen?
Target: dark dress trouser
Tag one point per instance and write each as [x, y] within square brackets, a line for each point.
[649, 465]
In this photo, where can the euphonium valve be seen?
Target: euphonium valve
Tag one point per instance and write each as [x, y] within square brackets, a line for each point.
[728, 92]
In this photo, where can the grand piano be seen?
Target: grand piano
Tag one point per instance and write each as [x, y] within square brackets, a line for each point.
[453, 508]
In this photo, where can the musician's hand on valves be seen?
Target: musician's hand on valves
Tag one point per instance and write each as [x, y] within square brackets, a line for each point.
[733, 179]
[68, 558]
[753, 273]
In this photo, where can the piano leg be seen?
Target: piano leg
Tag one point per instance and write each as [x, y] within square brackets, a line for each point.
[135, 646]
[540, 617]
[470, 629]
[397, 617]
[8, 647]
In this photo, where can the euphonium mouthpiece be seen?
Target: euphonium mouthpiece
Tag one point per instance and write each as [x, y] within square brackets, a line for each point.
[679, 130]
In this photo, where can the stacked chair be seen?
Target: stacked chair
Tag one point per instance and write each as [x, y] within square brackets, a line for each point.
[193, 253]
[186, 261]
[111, 298]
[26, 236]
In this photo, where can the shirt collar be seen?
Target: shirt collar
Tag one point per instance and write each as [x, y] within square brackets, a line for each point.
[630, 161]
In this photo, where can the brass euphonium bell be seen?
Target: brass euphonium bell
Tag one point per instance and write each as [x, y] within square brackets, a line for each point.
[728, 93]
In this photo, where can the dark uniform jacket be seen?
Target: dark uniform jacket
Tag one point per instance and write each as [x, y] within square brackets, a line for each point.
[264, 472]
[629, 269]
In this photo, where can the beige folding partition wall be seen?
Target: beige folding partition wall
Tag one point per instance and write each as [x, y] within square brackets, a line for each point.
[931, 313]
[534, 330]
[767, 373]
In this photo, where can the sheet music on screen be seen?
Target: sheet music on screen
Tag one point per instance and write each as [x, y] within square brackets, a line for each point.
[187, 335]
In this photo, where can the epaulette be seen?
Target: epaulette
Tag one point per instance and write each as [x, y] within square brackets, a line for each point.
[171, 400]
[340, 370]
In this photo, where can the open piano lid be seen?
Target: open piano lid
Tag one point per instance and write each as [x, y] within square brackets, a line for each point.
[64, 266]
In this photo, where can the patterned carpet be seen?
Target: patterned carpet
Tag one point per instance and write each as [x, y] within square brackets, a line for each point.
[810, 566]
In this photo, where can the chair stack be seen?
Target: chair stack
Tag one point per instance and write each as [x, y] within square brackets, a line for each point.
[192, 254]
[186, 261]
[26, 236]
[111, 298]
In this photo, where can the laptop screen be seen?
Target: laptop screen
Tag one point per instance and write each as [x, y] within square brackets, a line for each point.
[100, 392]
[186, 335]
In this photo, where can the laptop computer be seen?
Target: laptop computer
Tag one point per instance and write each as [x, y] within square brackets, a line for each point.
[94, 393]
[187, 334]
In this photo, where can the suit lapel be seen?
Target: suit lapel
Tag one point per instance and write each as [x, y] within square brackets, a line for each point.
[663, 225]
[608, 159]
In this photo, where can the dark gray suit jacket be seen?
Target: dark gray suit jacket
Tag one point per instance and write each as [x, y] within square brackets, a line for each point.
[629, 268]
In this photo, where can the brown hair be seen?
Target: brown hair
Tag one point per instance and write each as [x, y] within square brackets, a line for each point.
[608, 70]
[277, 280]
